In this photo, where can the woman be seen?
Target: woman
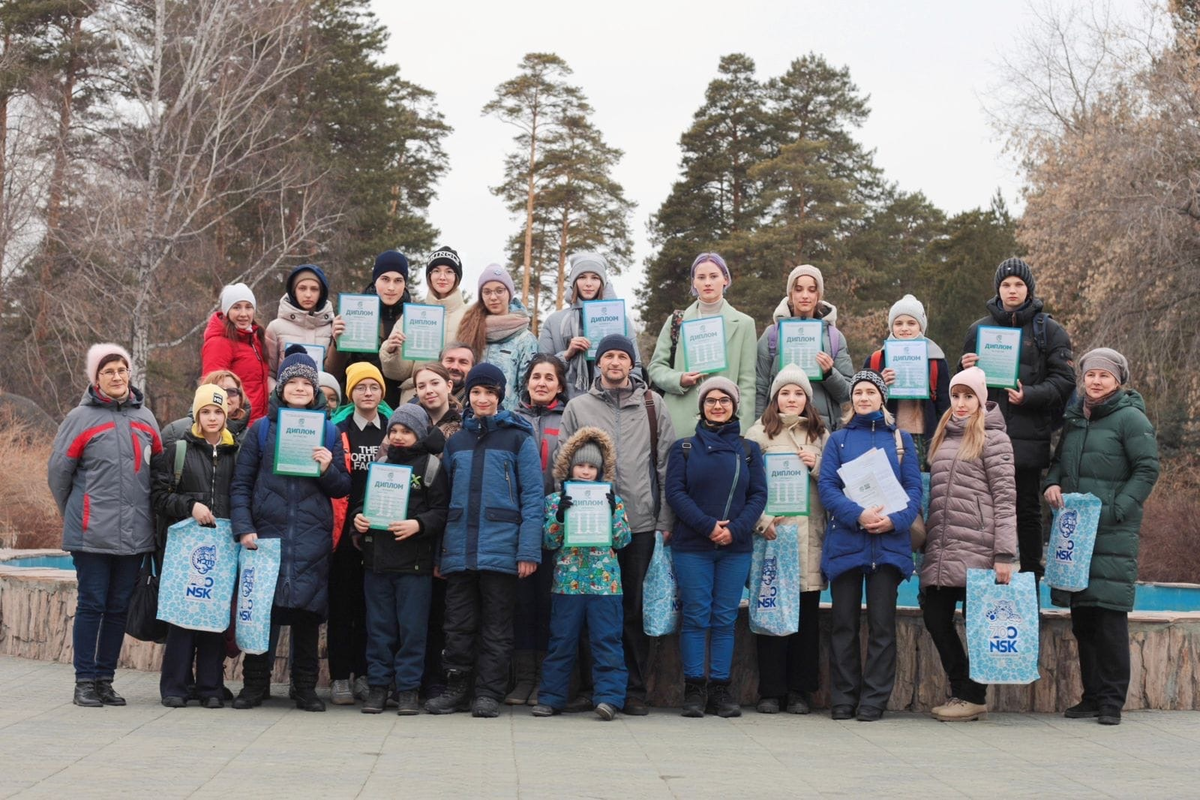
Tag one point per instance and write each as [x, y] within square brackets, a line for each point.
[305, 316]
[788, 666]
[443, 274]
[864, 544]
[498, 327]
[972, 525]
[233, 341]
[1107, 449]
[717, 487]
[99, 475]
[562, 332]
[710, 279]
[434, 393]
[805, 299]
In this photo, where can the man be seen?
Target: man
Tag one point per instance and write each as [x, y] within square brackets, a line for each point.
[458, 359]
[1046, 380]
[620, 403]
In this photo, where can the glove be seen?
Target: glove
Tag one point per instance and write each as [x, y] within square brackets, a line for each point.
[564, 502]
[612, 502]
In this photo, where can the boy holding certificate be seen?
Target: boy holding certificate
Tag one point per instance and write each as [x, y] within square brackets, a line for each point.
[587, 583]
[398, 560]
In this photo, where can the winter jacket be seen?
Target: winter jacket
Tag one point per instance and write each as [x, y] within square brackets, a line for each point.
[1114, 456]
[512, 355]
[296, 326]
[683, 404]
[389, 317]
[546, 422]
[972, 522]
[295, 510]
[847, 545]
[719, 478]
[99, 474]
[205, 478]
[244, 357]
[794, 439]
[939, 396]
[394, 366]
[426, 504]
[828, 394]
[622, 414]
[1048, 379]
[496, 499]
[585, 570]
[556, 334]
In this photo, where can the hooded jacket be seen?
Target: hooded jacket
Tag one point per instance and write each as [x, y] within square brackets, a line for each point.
[546, 422]
[556, 334]
[243, 357]
[206, 477]
[828, 394]
[391, 362]
[294, 325]
[99, 474]
[972, 522]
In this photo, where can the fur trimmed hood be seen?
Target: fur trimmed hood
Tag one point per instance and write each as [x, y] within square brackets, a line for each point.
[566, 451]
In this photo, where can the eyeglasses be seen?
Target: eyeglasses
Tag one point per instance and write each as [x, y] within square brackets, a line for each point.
[494, 292]
[233, 391]
[109, 374]
[725, 402]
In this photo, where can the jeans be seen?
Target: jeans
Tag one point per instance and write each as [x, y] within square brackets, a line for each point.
[346, 631]
[105, 584]
[479, 620]
[791, 664]
[1103, 638]
[603, 617]
[850, 684]
[306, 629]
[634, 559]
[710, 591]
[397, 616]
[938, 604]
[1029, 520]
[184, 645]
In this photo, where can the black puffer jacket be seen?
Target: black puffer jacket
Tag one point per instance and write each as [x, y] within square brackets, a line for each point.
[205, 478]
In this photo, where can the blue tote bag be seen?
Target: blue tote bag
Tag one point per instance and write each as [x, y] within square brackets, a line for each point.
[258, 572]
[775, 583]
[1072, 540]
[198, 572]
[660, 593]
[1002, 628]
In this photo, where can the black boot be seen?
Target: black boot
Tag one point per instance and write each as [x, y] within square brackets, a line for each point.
[85, 694]
[305, 681]
[107, 694]
[720, 697]
[256, 674]
[694, 697]
[457, 694]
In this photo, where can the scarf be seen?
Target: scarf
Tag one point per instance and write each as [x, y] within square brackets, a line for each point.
[504, 326]
[1089, 403]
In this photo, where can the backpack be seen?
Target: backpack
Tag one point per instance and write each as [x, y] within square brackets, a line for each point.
[877, 365]
[180, 457]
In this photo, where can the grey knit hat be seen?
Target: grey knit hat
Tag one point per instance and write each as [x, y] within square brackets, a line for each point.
[912, 307]
[587, 262]
[411, 416]
[1107, 359]
[588, 453]
[723, 384]
[872, 377]
[788, 375]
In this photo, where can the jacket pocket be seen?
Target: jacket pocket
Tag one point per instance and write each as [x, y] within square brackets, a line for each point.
[454, 514]
[87, 511]
[509, 515]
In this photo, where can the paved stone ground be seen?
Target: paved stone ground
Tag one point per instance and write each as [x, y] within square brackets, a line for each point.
[50, 748]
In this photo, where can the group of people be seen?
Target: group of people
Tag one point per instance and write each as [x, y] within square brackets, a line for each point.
[475, 598]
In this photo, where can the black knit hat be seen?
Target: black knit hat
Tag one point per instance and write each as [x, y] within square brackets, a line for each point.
[872, 377]
[1014, 268]
[445, 256]
[486, 374]
[390, 261]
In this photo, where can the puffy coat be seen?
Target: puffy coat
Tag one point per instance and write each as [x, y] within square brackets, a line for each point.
[393, 366]
[1048, 379]
[546, 422]
[99, 474]
[972, 520]
[794, 439]
[939, 400]
[556, 334]
[295, 510]
[622, 414]
[496, 499]
[206, 477]
[683, 404]
[1113, 455]
[389, 317]
[244, 357]
[512, 355]
[720, 478]
[847, 545]
[828, 394]
[294, 325]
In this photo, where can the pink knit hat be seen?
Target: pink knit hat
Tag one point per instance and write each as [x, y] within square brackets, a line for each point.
[98, 352]
[974, 379]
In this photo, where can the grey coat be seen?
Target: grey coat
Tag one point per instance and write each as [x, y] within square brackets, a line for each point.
[828, 394]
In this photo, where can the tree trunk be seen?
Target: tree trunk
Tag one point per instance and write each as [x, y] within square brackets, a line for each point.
[562, 258]
[529, 211]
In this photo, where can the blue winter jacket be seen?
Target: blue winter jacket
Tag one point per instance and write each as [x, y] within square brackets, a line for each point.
[496, 499]
[702, 489]
[847, 546]
[296, 510]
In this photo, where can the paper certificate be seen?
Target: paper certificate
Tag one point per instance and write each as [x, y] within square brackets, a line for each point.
[297, 432]
[589, 519]
[909, 359]
[361, 314]
[999, 351]
[703, 343]
[870, 482]
[787, 485]
[386, 499]
[600, 318]
[315, 351]
[799, 343]
[424, 330]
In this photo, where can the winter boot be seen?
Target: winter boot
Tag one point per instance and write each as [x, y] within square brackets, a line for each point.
[538, 658]
[457, 694]
[485, 707]
[524, 678]
[304, 678]
[85, 695]
[694, 697]
[721, 701]
[376, 699]
[256, 686]
[408, 704]
[107, 694]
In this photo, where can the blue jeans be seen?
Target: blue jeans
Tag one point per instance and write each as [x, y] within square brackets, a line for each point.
[105, 585]
[397, 622]
[605, 620]
[710, 590]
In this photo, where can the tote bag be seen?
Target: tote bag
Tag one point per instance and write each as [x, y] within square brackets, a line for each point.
[1002, 628]
[1072, 540]
[258, 570]
[199, 568]
[775, 583]
[660, 593]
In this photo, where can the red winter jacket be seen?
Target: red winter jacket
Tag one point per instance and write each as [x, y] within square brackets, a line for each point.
[244, 358]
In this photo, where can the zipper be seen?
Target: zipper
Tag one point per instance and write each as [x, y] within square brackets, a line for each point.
[212, 486]
[508, 481]
[942, 526]
[737, 473]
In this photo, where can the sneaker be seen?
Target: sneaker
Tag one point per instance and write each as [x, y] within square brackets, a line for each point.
[798, 703]
[1110, 715]
[340, 693]
[1083, 710]
[579, 704]
[768, 705]
[606, 711]
[485, 708]
[635, 707]
[543, 710]
[959, 710]
[376, 698]
[361, 687]
[174, 702]
[407, 703]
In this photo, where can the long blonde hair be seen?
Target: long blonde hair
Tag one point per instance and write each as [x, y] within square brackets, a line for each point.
[973, 438]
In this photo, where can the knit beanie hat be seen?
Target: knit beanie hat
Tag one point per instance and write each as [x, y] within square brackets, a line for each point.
[723, 384]
[974, 379]
[714, 258]
[587, 262]
[325, 379]
[1014, 267]
[910, 306]
[588, 453]
[97, 353]
[359, 370]
[615, 341]
[791, 374]
[486, 375]
[390, 261]
[872, 377]
[297, 364]
[806, 270]
[495, 272]
[445, 256]
[209, 394]
[308, 271]
[1107, 359]
[235, 293]
[411, 416]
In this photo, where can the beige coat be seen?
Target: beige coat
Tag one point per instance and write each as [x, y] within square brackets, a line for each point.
[399, 369]
[794, 439]
[296, 326]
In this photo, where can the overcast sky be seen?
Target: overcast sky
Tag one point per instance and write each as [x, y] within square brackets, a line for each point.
[644, 66]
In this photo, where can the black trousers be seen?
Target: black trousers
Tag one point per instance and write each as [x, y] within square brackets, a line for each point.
[1029, 520]
[183, 646]
[531, 616]
[850, 683]
[306, 629]
[479, 612]
[938, 604]
[435, 638]
[634, 559]
[346, 632]
[1103, 637]
[791, 664]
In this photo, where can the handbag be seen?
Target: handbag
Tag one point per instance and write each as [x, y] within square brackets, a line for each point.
[142, 621]
[917, 529]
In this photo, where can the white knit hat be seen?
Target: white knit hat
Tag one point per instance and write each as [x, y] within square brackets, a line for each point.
[788, 375]
[235, 293]
[98, 352]
[910, 306]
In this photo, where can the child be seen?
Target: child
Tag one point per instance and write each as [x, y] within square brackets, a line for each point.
[493, 538]
[972, 525]
[192, 480]
[297, 511]
[587, 585]
[305, 315]
[906, 320]
[398, 562]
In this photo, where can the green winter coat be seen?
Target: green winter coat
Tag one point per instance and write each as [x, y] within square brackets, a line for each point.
[1114, 456]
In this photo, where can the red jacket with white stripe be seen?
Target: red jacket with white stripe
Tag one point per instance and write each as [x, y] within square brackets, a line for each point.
[99, 474]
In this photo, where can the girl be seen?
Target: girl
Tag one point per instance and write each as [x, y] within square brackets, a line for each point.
[864, 544]
[972, 525]
[305, 316]
[233, 341]
[587, 585]
[805, 299]
[788, 667]
[443, 274]
[717, 487]
[200, 491]
[433, 392]
[710, 281]
[498, 327]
